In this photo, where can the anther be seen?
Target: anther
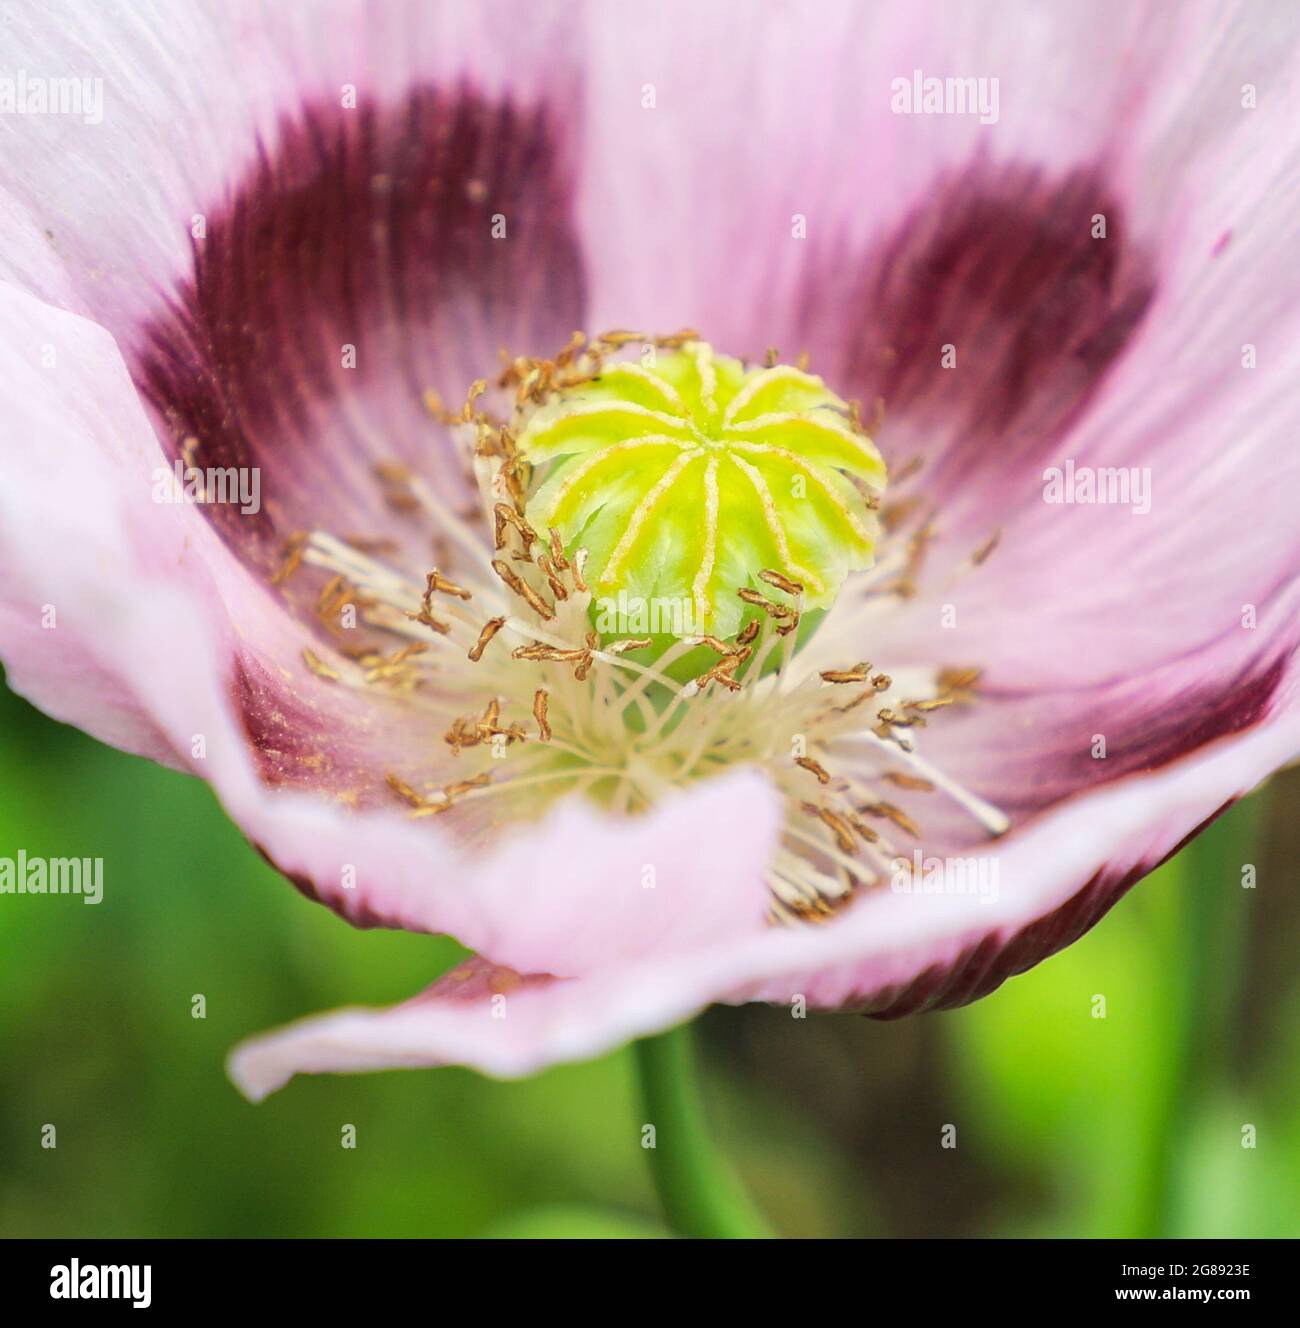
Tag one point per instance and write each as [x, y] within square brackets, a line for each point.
[490, 629]
[780, 582]
[814, 767]
[521, 588]
[318, 666]
[858, 674]
[540, 701]
[889, 812]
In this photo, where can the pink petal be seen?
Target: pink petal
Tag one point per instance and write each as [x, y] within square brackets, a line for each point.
[774, 112]
[75, 437]
[98, 216]
[145, 605]
[359, 264]
[80, 535]
[200, 647]
[1159, 630]
[347, 196]
[578, 893]
[925, 230]
[892, 954]
[386, 211]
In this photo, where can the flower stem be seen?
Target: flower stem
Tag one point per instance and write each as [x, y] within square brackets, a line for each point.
[699, 1192]
[1213, 918]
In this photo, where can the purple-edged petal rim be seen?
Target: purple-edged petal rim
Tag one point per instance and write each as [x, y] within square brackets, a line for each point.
[1129, 826]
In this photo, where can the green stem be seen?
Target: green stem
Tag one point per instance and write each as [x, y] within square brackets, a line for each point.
[699, 1192]
[1212, 918]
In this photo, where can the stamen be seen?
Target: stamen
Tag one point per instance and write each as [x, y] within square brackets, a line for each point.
[509, 516]
[395, 480]
[837, 824]
[405, 791]
[333, 593]
[394, 670]
[993, 820]
[858, 674]
[548, 570]
[318, 666]
[539, 651]
[540, 700]
[521, 588]
[815, 767]
[490, 629]
[770, 607]
[425, 614]
[781, 582]
[981, 555]
[579, 565]
[434, 405]
[291, 558]
[934, 703]
[436, 583]
[889, 812]
[725, 692]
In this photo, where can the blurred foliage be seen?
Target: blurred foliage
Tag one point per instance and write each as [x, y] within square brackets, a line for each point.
[1066, 1124]
[1134, 1120]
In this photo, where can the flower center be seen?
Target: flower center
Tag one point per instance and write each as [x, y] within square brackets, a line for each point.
[703, 493]
[659, 534]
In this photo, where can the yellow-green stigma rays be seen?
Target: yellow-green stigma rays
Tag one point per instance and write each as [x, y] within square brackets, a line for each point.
[704, 493]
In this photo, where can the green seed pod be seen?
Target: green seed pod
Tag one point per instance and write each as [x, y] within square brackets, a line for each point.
[687, 477]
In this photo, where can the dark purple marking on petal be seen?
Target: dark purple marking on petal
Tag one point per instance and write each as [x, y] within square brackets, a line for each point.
[316, 736]
[1200, 717]
[1000, 263]
[373, 228]
[1140, 736]
[287, 738]
[985, 966]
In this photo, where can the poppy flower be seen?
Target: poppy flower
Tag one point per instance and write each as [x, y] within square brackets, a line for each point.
[381, 381]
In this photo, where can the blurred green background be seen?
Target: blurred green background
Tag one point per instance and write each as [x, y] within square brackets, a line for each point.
[1066, 1124]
